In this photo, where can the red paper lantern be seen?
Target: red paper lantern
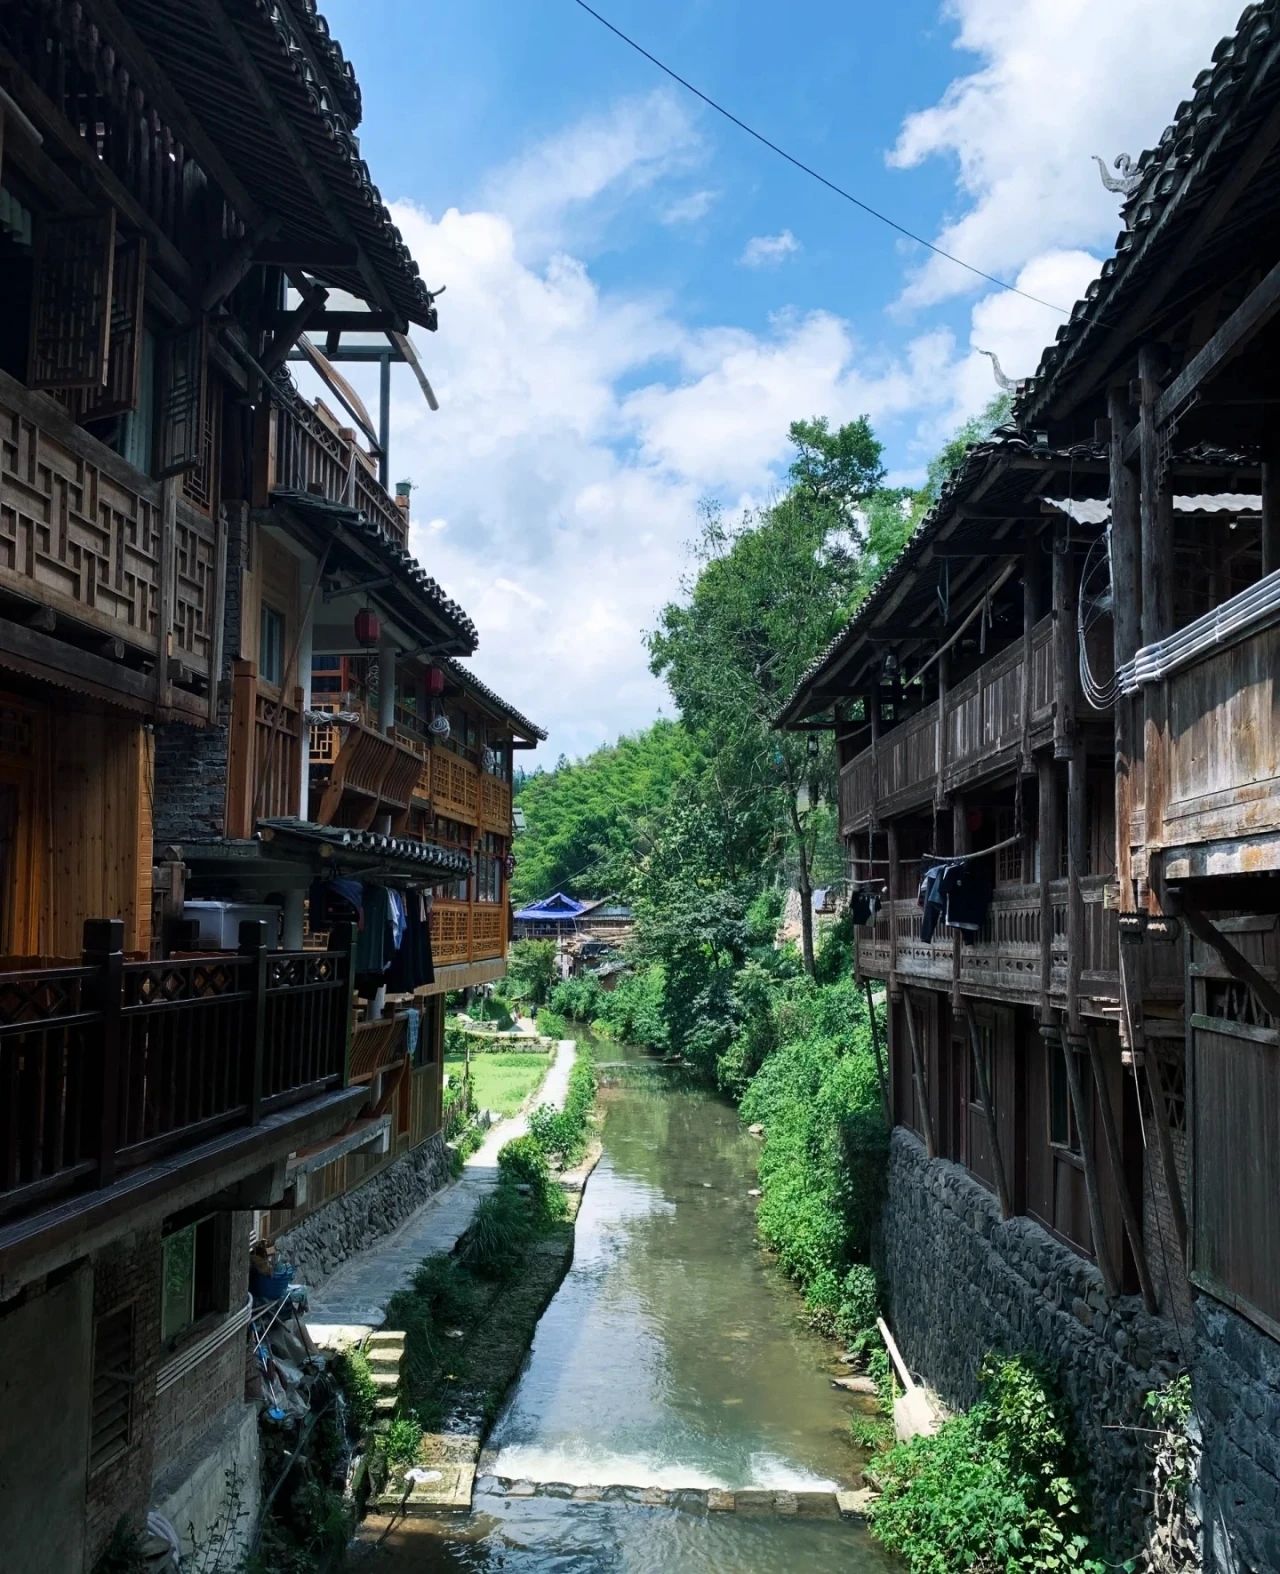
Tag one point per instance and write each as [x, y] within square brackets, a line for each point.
[368, 629]
[435, 681]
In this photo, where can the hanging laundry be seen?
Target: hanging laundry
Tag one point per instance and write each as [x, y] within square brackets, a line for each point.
[411, 966]
[398, 917]
[373, 944]
[336, 901]
[931, 900]
[864, 904]
[967, 893]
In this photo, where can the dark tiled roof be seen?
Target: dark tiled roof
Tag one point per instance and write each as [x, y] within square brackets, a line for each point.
[1177, 177]
[427, 856]
[1006, 441]
[468, 679]
[314, 87]
[410, 577]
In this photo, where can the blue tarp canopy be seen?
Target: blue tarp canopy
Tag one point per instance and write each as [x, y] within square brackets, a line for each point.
[551, 910]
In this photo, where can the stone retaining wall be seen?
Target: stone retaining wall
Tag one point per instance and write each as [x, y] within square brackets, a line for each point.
[1235, 1382]
[325, 1239]
[962, 1283]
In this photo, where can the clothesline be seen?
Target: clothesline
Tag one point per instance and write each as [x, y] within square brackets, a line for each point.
[983, 852]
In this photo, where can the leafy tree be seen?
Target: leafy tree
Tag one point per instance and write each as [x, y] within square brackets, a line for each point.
[531, 971]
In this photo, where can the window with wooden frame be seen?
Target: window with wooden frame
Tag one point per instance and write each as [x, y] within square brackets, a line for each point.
[271, 637]
[987, 1050]
[111, 1417]
[455, 835]
[194, 1275]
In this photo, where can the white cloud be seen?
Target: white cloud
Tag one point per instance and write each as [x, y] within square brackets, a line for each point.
[691, 208]
[1054, 84]
[767, 251]
[566, 187]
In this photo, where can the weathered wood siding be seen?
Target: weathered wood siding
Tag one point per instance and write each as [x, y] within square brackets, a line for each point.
[1224, 755]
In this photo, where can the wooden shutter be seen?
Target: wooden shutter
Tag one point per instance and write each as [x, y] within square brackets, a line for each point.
[71, 301]
[112, 1422]
[124, 350]
[182, 400]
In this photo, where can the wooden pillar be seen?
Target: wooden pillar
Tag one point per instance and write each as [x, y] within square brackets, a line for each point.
[1126, 560]
[1031, 583]
[873, 718]
[253, 948]
[104, 994]
[1065, 640]
[940, 751]
[959, 844]
[1157, 608]
[988, 1111]
[1050, 836]
[921, 1081]
[891, 838]
[1077, 867]
[1111, 1136]
[1084, 1126]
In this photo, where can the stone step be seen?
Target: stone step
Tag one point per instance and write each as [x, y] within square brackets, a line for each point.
[385, 1360]
[385, 1339]
[748, 1502]
[386, 1382]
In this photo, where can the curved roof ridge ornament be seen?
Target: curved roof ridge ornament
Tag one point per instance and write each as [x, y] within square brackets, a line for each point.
[1127, 178]
[1007, 384]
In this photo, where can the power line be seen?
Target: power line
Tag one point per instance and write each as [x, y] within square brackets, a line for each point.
[814, 174]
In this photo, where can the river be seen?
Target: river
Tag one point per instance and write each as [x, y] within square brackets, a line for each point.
[671, 1356]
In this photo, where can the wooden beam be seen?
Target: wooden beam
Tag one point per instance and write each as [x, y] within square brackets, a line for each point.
[1164, 1142]
[959, 844]
[1047, 794]
[891, 840]
[1253, 313]
[228, 274]
[1097, 1227]
[1128, 1213]
[1077, 865]
[1126, 582]
[1270, 496]
[917, 1066]
[988, 1111]
[314, 256]
[257, 90]
[1234, 960]
[358, 322]
[1063, 639]
[291, 328]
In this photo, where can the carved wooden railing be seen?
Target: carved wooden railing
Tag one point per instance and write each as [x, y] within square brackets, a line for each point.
[112, 1063]
[984, 719]
[450, 932]
[264, 755]
[85, 534]
[311, 457]
[495, 805]
[375, 1046]
[455, 786]
[467, 932]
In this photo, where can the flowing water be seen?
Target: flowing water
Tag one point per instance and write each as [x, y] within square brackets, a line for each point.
[671, 1356]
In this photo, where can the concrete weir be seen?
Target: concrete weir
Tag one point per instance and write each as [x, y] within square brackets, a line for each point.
[693, 1500]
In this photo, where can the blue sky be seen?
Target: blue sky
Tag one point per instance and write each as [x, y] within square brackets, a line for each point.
[639, 298]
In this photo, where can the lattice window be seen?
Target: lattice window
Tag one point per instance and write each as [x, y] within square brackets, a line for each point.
[17, 736]
[1236, 1002]
[71, 302]
[182, 407]
[198, 483]
[111, 1427]
[1173, 1072]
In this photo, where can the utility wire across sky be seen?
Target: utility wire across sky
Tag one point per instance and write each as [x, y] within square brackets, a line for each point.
[814, 174]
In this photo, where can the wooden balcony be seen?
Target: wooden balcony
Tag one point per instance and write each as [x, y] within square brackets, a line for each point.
[495, 805]
[370, 774]
[455, 786]
[109, 1064]
[98, 543]
[984, 723]
[1222, 807]
[468, 932]
[302, 452]
[1005, 962]
[264, 753]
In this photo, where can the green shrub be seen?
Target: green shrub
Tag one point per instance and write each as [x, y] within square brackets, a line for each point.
[400, 1443]
[561, 1134]
[523, 1162]
[552, 1025]
[992, 1491]
[634, 1011]
[531, 972]
[858, 1305]
[354, 1376]
[578, 999]
[499, 1231]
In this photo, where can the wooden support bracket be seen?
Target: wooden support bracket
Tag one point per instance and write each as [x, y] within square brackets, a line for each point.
[988, 1111]
[1112, 1138]
[1235, 962]
[917, 1065]
[881, 1075]
[1101, 1250]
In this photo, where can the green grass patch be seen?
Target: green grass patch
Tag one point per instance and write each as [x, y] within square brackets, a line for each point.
[501, 1081]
